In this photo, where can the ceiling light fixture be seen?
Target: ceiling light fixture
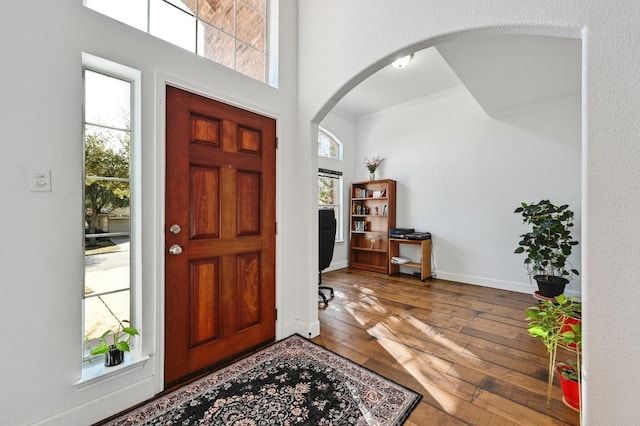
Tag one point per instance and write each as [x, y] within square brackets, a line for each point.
[402, 62]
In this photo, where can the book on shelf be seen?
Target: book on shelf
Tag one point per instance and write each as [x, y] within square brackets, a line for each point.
[360, 225]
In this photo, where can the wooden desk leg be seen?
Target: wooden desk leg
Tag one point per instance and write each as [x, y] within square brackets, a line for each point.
[425, 262]
[394, 250]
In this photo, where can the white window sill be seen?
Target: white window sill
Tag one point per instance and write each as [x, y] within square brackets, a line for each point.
[96, 373]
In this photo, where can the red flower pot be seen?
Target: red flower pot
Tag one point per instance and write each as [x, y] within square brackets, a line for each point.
[570, 388]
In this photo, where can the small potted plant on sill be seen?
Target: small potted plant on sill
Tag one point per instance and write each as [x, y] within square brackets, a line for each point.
[547, 245]
[548, 322]
[113, 344]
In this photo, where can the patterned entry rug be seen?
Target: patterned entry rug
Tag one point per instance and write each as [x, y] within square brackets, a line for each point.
[292, 382]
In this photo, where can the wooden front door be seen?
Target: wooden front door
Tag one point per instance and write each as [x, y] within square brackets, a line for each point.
[219, 233]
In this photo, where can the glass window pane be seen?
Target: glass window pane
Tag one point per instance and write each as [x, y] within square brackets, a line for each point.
[258, 5]
[324, 146]
[216, 45]
[251, 28]
[107, 152]
[250, 62]
[186, 5]
[107, 100]
[330, 196]
[173, 25]
[219, 13]
[107, 264]
[101, 312]
[107, 210]
[328, 146]
[327, 190]
[130, 12]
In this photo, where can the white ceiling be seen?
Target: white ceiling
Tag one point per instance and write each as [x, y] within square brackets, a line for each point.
[503, 73]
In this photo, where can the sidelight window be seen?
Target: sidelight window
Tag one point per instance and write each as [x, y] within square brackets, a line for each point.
[111, 197]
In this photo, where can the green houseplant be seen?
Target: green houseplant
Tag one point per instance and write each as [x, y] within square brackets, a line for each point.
[547, 321]
[547, 245]
[114, 343]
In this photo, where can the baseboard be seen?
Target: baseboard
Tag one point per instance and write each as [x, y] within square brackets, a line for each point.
[105, 406]
[299, 327]
[337, 265]
[494, 283]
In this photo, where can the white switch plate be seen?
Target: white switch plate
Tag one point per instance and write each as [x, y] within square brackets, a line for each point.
[40, 180]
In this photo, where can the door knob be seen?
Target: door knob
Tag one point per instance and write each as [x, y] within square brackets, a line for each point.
[175, 249]
[175, 229]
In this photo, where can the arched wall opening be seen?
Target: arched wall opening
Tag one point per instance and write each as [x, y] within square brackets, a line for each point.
[504, 122]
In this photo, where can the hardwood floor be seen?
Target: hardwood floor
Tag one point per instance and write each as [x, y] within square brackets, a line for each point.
[465, 348]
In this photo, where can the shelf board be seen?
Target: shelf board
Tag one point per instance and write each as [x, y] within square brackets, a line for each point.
[369, 249]
[370, 232]
[369, 198]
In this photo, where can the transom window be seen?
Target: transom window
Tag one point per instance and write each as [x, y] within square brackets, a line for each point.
[329, 146]
[232, 33]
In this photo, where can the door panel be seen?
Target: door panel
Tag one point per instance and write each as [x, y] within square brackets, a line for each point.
[204, 288]
[205, 215]
[249, 203]
[220, 290]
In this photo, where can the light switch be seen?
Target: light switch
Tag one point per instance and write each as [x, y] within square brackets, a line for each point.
[40, 180]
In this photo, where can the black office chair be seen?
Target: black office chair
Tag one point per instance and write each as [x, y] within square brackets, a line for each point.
[327, 239]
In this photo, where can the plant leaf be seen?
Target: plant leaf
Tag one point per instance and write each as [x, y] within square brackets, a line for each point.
[100, 349]
[123, 346]
[130, 331]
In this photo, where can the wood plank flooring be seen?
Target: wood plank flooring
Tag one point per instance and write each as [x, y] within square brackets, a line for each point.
[465, 348]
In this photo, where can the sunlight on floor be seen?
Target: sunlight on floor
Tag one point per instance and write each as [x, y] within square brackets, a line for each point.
[424, 367]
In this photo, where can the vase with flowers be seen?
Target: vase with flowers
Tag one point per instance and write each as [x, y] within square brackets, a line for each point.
[372, 164]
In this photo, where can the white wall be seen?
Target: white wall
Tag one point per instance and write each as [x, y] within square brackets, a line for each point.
[41, 254]
[344, 42]
[461, 174]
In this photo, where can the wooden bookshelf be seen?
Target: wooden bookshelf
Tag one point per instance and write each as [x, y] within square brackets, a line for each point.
[373, 212]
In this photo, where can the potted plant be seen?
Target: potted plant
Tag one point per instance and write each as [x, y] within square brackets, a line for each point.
[547, 322]
[113, 344]
[547, 245]
[569, 374]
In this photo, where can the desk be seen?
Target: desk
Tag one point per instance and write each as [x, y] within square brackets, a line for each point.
[425, 256]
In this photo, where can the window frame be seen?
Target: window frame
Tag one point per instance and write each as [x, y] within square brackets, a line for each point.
[270, 53]
[95, 369]
[328, 135]
[337, 166]
[339, 207]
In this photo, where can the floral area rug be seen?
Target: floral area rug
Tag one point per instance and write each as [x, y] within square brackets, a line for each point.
[292, 382]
